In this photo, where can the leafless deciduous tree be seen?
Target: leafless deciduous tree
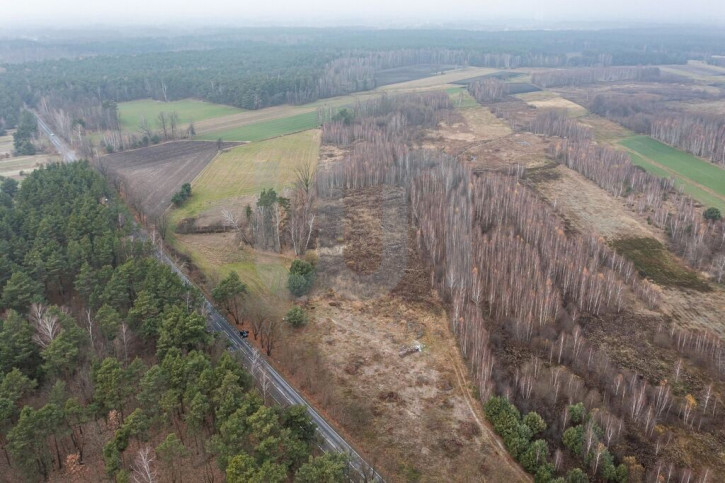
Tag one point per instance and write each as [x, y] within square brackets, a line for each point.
[575, 77]
[144, 470]
[236, 223]
[269, 332]
[46, 324]
[173, 123]
[301, 216]
[164, 123]
[145, 128]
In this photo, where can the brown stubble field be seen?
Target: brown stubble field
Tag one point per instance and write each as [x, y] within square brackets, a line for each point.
[149, 177]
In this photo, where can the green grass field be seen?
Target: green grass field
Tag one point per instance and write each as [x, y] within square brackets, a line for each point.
[243, 172]
[246, 170]
[700, 179]
[266, 129]
[265, 274]
[189, 110]
[461, 98]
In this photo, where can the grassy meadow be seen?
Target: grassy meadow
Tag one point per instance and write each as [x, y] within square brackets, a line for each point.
[189, 110]
[266, 129]
[700, 179]
[234, 175]
[246, 170]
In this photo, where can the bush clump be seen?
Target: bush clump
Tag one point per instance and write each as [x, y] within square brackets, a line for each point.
[517, 433]
[296, 317]
[301, 277]
[182, 195]
[712, 214]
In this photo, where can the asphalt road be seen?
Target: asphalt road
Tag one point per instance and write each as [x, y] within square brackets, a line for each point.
[276, 386]
[68, 154]
[273, 384]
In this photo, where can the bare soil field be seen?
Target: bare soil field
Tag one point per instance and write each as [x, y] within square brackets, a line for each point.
[589, 209]
[150, 176]
[12, 166]
[604, 129]
[397, 75]
[469, 125]
[520, 148]
[695, 309]
[439, 80]
[414, 416]
[551, 100]
[697, 70]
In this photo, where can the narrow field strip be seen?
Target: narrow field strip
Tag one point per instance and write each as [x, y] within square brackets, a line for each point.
[683, 165]
[699, 192]
[188, 110]
[266, 129]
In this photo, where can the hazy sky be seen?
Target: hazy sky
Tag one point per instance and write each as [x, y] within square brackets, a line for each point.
[369, 12]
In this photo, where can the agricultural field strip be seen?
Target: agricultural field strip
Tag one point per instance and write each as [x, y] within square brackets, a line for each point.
[696, 191]
[189, 110]
[266, 129]
[247, 169]
[703, 174]
[209, 128]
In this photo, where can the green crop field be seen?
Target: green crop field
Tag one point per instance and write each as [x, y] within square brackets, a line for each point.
[700, 179]
[461, 98]
[266, 129]
[231, 179]
[189, 110]
[246, 170]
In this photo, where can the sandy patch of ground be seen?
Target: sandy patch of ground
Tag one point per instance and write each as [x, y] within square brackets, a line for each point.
[521, 148]
[438, 80]
[695, 310]
[590, 209]
[572, 109]
[414, 415]
[604, 129]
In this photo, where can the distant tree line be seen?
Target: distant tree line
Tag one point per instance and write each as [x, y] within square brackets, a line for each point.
[697, 133]
[577, 77]
[271, 69]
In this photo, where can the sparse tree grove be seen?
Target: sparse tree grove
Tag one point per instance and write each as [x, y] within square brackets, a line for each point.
[514, 277]
[576, 77]
[699, 240]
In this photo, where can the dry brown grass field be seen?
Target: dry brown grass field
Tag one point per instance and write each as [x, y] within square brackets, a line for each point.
[17, 167]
